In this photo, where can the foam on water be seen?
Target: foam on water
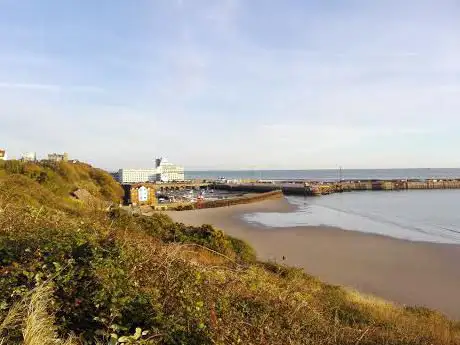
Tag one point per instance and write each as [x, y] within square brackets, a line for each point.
[416, 215]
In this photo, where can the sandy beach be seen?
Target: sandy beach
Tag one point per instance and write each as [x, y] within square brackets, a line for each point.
[411, 273]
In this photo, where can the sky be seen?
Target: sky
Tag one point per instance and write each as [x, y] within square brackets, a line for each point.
[233, 84]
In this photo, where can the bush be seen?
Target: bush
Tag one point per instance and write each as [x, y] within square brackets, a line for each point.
[187, 207]
[92, 288]
[162, 227]
[243, 251]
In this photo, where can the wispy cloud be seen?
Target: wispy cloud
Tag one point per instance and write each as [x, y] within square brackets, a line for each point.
[28, 86]
[51, 87]
[270, 84]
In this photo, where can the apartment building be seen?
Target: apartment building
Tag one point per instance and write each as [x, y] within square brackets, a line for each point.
[55, 157]
[164, 171]
[168, 172]
[127, 176]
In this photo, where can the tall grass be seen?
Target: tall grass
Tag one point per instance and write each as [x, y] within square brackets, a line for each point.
[32, 316]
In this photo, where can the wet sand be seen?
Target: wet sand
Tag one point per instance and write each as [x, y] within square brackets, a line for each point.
[411, 273]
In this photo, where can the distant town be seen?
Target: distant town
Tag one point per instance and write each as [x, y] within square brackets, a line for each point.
[163, 171]
[32, 157]
[140, 185]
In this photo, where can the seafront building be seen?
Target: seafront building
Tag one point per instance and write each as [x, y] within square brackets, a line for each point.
[55, 157]
[164, 171]
[167, 172]
[29, 157]
[3, 155]
[126, 176]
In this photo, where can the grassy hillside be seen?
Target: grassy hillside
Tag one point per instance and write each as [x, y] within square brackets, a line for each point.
[50, 184]
[74, 275]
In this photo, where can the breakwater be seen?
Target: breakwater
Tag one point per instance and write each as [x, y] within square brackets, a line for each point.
[320, 188]
[396, 185]
[294, 189]
[246, 199]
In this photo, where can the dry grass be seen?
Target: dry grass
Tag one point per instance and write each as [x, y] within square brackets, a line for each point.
[38, 326]
[32, 315]
[12, 320]
[250, 305]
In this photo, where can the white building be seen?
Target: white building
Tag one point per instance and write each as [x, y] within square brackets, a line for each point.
[168, 172]
[29, 157]
[143, 194]
[126, 176]
[164, 171]
[56, 157]
[3, 156]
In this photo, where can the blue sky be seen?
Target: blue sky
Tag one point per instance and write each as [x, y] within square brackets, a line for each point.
[233, 84]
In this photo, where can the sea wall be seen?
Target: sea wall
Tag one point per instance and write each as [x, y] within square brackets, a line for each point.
[246, 199]
[299, 188]
[397, 185]
[291, 189]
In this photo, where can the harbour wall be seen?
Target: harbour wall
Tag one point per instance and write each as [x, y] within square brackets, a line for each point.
[297, 189]
[312, 188]
[246, 199]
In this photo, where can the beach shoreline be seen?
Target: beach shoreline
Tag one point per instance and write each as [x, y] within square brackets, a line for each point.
[402, 271]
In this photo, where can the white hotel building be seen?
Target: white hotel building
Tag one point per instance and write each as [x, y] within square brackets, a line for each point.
[137, 175]
[167, 172]
[164, 171]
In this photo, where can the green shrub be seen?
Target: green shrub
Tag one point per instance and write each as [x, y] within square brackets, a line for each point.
[243, 251]
[284, 271]
[92, 289]
[187, 207]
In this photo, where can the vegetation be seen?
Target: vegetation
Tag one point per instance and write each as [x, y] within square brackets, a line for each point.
[50, 183]
[70, 274]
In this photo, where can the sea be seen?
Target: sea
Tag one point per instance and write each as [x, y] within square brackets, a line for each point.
[327, 174]
[414, 215]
